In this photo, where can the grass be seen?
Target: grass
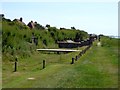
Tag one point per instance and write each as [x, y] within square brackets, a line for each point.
[17, 39]
[0, 55]
[97, 68]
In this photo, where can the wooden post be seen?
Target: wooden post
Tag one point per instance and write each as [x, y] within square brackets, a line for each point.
[43, 64]
[80, 53]
[72, 61]
[76, 58]
[58, 52]
[15, 68]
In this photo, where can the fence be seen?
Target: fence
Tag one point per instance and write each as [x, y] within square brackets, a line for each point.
[80, 54]
[43, 63]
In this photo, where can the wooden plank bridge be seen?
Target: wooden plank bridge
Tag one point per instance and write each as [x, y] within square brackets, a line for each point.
[59, 50]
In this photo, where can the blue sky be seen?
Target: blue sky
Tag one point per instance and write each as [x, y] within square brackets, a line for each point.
[93, 17]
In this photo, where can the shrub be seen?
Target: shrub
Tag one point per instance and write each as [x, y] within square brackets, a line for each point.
[45, 42]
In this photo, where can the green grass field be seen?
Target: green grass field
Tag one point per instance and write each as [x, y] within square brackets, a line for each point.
[97, 68]
[0, 60]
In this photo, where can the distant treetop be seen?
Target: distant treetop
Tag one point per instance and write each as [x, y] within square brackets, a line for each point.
[73, 28]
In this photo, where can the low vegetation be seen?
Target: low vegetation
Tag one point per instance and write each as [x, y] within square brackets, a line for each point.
[17, 38]
[97, 68]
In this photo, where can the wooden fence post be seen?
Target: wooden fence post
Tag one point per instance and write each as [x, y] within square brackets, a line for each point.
[43, 64]
[80, 53]
[76, 58]
[15, 68]
[72, 61]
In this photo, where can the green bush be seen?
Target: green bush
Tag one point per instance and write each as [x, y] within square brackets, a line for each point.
[109, 42]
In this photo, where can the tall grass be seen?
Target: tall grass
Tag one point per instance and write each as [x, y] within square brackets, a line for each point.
[109, 42]
[17, 39]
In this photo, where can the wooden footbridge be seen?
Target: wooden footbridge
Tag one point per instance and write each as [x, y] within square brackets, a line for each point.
[58, 50]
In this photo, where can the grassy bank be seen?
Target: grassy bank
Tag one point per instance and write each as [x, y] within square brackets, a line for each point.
[17, 38]
[97, 68]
